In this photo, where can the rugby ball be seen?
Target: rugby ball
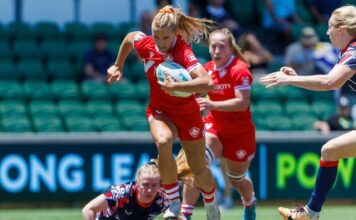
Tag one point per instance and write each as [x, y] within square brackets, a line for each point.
[177, 72]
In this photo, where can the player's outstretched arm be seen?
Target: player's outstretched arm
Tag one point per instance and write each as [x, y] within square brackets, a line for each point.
[333, 80]
[116, 70]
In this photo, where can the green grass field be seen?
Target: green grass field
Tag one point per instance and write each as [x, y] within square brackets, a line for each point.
[345, 212]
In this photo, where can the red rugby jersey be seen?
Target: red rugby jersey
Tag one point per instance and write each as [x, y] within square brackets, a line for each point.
[181, 53]
[235, 75]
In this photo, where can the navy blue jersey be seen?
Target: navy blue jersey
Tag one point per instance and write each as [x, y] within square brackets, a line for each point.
[123, 204]
[348, 58]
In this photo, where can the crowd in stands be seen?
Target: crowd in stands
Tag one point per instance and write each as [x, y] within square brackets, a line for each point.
[273, 33]
[41, 90]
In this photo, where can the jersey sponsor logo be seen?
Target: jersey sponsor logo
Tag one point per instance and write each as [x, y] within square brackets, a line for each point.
[245, 81]
[240, 154]
[194, 132]
[222, 86]
[128, 213]
[168, 58]
[158, 111]
[151, 54]
[222, 73]
[192, 58]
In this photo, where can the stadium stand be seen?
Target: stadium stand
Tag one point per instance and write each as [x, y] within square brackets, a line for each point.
[41, 86]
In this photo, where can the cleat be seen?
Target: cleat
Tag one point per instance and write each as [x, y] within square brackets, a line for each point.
[249, 213]
[212, 211]
[172, 213]
[295, 214]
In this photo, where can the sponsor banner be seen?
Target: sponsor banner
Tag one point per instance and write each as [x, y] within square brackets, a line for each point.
[79, 170]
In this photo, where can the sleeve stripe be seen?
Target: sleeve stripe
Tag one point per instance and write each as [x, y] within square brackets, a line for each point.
[193, 67]
[345, 59]
[244, 87]
[138, 36]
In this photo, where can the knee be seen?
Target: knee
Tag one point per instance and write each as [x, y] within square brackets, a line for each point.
[164, 145]
[328, 151]
[197, 169]
[236, 180]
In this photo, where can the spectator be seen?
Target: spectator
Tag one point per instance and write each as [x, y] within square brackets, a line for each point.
[98, 59]
[322, 9]
[309, 56]
[145, 22]
[215, 11]
[278, 15]
[339, 122]
[257, 56]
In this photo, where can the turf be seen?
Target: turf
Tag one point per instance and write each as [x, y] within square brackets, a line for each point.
[346, 212]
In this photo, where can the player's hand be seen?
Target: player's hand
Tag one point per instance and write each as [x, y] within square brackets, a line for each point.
[168, 85]
[204, 104]
[115, 74]
[278, 78]
[274, 79]
[289, 71]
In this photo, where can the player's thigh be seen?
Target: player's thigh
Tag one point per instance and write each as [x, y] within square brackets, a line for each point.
[237, 167]
[214, 143]
[343, 146]
[195, 152]
[162, 129]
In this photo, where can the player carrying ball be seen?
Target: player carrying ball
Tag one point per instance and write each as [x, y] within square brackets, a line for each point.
[169, 116]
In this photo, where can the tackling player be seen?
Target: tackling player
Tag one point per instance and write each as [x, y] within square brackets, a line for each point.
[342, 33]
[135, 200]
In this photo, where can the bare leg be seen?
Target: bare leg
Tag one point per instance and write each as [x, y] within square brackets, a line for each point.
[164, 133]
[195, 153]
[343, 146]
[227, 200]
[243, 184]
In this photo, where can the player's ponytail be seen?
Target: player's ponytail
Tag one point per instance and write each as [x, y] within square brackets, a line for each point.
[184, 173]
[236, 50]
[191, 29]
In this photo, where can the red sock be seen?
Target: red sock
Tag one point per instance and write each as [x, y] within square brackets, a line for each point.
[171, 190]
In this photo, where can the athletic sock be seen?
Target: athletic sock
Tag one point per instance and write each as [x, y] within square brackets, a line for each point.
[187, 209]
[208, 197]
[250, 202]
[324, 181]
[172, 191]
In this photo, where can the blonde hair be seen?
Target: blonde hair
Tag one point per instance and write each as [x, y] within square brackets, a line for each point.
[191, 29]
[184, 173]
[345, 17]
[149, 168]
[236, 50]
